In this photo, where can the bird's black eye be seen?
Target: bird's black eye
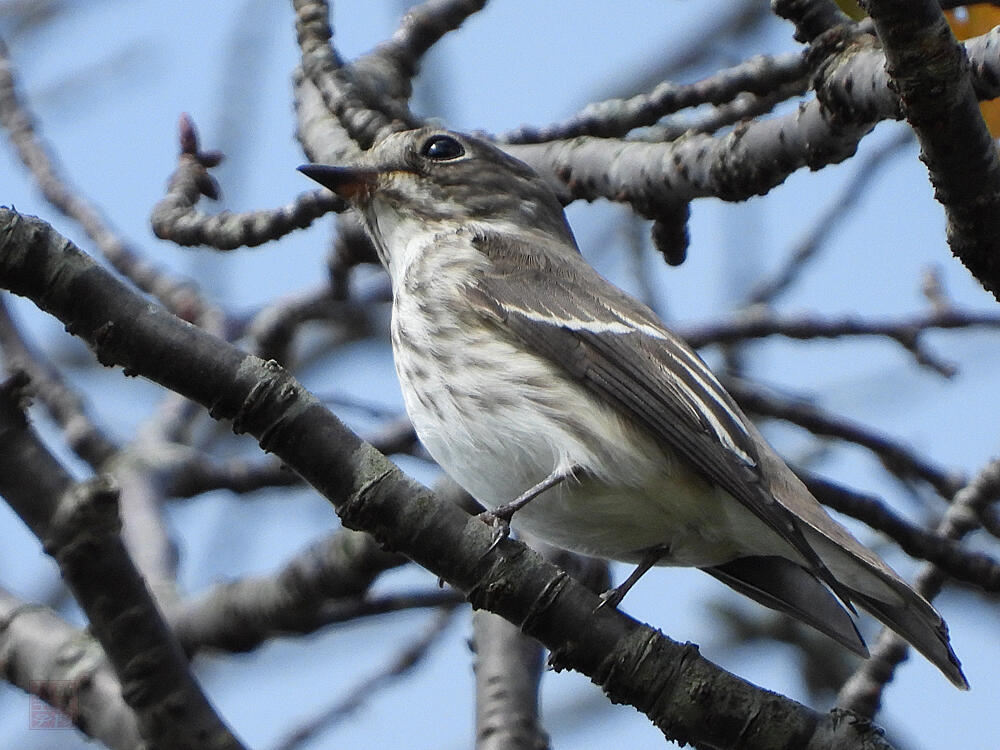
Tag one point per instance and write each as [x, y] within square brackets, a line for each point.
[441, 148]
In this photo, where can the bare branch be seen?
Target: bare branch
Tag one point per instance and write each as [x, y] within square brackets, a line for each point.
[361, 106]
[421, 28]
[178, 295]
[761, 75]
[898, 459]
[750, 160]
[742, 107]
[65, 405]
[967, 566]
[44, 655]
[508, 668]
[811, 17]
[759, 322]
[863, 692]
[241, 615]
[930, 70]
[79, 526]
[174, 218]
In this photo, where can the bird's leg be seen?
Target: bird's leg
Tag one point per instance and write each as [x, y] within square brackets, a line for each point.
[499, 518]
[613, 597]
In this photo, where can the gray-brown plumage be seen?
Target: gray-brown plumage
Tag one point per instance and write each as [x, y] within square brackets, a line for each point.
[519, 362]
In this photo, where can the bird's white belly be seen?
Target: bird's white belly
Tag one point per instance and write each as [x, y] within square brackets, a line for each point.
[499, 430]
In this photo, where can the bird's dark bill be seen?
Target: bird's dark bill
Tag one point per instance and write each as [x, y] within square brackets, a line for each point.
[347, 182]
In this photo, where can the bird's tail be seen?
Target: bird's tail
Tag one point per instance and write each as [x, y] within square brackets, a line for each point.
[874, 587]
[783, 585]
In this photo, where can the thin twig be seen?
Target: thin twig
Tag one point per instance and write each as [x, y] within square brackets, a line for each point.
[964, 565]
[768, 289]
[761, 75]
[174, 217]
[862, 693]
[760, 322]
[63, 403]
[898, 459]
[404, 662]
[419, 30]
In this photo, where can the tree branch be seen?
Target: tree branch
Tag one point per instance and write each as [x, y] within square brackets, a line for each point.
[178, 295]
[508, 667]
[761, 75]
[243, 614]
[758, 322]
[930, 72]
[174, 218]
[863, 692]
[968, 566]
[80, 527]
[45, 656]
[897, 458]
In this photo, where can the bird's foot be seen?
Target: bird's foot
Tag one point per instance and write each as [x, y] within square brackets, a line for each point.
[499, 518]
[499, 521]
[613, 597]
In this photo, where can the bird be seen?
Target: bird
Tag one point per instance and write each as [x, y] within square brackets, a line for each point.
[569, 410]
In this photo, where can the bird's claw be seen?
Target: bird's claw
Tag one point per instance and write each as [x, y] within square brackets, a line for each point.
[500, 525]
[611, 598]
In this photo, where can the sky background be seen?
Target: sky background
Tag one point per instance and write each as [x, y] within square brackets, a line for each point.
[107, 80]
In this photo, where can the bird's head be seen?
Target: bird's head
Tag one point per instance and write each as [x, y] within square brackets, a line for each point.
[443, 180]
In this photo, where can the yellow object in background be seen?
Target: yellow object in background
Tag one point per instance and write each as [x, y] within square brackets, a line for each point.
[966, 23]
[852, 9]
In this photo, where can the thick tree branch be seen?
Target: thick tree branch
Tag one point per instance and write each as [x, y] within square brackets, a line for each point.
[930, 72]
[750, 160]
[853, 94]
[45, 656]
[80, 527]
[508, 668]
[811, 17]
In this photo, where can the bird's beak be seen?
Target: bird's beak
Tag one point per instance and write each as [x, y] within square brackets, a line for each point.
[347, 182]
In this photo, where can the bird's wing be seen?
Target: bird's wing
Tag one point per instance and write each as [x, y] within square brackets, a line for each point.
[558, 306]
[616, 347]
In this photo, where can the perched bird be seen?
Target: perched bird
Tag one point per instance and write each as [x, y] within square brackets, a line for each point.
[543, 389]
